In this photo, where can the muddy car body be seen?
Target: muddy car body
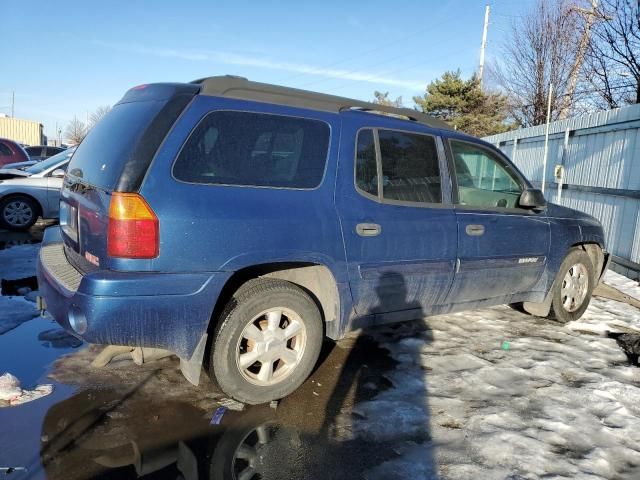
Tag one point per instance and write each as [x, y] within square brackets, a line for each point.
[245, 222]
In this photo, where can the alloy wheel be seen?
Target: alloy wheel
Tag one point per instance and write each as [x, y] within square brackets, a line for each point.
[271, 346]
[574, 287]
[17, 213]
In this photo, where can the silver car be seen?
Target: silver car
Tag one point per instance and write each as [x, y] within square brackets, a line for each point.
[26, 194]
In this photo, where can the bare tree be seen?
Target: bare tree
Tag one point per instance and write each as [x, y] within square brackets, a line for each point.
[76, 131]
[382, 98]
[98, 114]
[590, 16]
[540, 50]
[612, 64]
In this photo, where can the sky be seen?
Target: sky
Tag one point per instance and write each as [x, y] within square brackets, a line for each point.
[66, 58]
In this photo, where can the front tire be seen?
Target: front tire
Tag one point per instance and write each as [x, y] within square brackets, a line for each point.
[18, 212]
[572, 287]
[267, 341]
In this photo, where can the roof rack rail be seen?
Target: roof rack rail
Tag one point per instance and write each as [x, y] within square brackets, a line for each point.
[241, 88]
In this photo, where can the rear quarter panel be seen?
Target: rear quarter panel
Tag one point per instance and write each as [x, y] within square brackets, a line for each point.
[226, 228]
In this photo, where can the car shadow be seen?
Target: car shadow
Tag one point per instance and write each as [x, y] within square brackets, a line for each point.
[387, 394]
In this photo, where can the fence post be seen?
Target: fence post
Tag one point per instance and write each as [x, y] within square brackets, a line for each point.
[546, 139]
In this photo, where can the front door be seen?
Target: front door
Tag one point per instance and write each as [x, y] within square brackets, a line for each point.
[502, 249]
[400, 237]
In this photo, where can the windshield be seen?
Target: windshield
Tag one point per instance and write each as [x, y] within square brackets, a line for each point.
[50, 162]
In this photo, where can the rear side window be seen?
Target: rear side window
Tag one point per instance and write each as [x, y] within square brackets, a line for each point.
[4, 150]
[254, 149]
[366, 168]
[410, 170]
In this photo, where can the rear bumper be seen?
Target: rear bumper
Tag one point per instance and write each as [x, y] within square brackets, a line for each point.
[140, 309]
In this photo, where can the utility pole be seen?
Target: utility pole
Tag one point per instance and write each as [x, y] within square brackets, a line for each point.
[484, 44]
[13, 102]
[590, 17]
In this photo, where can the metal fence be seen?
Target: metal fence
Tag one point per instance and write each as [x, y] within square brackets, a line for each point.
[599, 156]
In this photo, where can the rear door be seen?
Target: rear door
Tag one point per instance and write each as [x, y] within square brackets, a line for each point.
[502, 249]
[399, 231]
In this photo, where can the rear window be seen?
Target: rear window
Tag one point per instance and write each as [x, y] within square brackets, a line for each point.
[254, 149]
[102, 155]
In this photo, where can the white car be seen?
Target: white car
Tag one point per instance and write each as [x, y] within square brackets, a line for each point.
[33, 192]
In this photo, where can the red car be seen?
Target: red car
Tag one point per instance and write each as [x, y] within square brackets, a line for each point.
[11, 152]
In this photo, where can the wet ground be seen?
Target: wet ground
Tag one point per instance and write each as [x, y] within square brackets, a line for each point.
[486, 394]
[128, 421]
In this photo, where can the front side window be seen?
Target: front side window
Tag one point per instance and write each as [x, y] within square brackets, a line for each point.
[254, 149]
[484, 181]
[410, 169]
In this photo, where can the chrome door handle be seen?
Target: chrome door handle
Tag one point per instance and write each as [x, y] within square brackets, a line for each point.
[368, 229]
[474, 230]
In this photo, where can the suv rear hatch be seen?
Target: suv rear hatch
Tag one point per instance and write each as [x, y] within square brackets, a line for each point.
[111, 160]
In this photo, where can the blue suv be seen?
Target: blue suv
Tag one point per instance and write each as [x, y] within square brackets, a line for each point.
[238, 224]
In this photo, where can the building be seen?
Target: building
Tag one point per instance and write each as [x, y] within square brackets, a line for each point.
[22, 131]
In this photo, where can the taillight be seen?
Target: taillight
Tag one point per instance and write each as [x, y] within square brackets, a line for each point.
[133, 227]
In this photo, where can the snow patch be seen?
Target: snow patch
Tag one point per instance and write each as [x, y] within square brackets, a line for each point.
[622, 283]
[558, 403]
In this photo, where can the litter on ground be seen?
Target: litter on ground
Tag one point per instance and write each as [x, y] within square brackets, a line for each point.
[12, 394]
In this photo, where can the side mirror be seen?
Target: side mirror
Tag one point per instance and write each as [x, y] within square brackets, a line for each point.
[532, 198]
[58, 173]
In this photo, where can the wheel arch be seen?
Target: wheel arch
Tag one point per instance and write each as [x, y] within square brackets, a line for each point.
[596, 254]
[314, 278]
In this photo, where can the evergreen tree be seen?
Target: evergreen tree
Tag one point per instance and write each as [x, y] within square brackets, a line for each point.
[463, 105]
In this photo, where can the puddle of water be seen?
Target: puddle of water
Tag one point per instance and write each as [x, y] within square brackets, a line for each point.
[26, 357]
[10, 239]
[153, 423]
[14, 287]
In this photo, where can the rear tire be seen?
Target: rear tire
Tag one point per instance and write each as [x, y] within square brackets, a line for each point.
[572, 288]
[267, 341]
[18, 212]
